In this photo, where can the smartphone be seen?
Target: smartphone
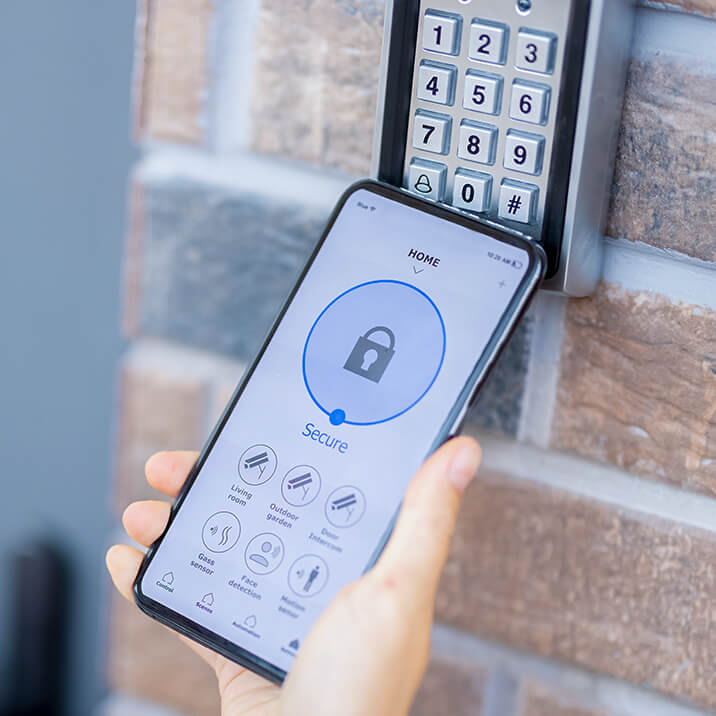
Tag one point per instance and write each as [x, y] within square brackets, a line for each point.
[371, 364]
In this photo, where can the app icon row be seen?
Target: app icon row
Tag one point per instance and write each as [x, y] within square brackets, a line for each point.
[301, 485]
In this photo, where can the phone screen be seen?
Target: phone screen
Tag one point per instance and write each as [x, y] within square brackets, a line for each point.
[299, 488]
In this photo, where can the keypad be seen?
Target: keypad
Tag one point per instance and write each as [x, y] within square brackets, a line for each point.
[485, 94]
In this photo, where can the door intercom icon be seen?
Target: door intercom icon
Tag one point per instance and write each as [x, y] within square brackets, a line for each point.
[369, 359]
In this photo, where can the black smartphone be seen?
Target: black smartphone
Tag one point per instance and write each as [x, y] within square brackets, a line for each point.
[371, 364]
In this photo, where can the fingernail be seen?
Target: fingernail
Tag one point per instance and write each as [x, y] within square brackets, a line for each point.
[464, 466]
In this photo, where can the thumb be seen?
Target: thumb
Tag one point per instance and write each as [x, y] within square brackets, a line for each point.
[418, 548]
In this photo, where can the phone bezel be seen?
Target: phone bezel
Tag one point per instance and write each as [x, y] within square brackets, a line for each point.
[518, 305]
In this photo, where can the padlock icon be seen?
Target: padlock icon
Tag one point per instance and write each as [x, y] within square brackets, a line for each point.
[370, 359]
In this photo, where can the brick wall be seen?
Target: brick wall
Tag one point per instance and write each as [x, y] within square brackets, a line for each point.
[582, 581]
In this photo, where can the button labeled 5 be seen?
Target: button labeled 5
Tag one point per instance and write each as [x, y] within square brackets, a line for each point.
[483, 92]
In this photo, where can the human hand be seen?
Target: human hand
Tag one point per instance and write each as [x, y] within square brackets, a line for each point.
[384, 618]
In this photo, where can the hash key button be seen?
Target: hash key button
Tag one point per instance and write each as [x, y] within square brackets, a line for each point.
[517, 201]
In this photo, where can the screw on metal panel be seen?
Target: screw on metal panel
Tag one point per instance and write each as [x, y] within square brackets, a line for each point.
[524, 6]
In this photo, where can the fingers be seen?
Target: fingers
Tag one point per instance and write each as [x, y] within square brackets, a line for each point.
[167, 471]
[123, 563]
[418, 548]
[145, 521]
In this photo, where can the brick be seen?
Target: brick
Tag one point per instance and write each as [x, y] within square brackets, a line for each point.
[157, 411]
[217, 265]
[147, 661]
[638, 386]
[451, 686]
[700, 7]
[173, 59]
[315, 81]
[666, 159]
[538, 700]
[618, 592]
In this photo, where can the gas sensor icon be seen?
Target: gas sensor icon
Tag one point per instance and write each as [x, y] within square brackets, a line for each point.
[374, 352]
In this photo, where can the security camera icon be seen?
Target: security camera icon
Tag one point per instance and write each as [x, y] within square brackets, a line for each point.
[370, 359]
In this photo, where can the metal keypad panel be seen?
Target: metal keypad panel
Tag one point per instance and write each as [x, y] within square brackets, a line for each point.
[486, 86]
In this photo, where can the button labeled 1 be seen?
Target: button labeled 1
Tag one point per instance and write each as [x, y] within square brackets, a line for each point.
[524, 152]
[441, 32]
[472, 190]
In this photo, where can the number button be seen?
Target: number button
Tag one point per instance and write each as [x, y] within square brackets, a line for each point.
[524, 152]
[530, 102]
[477, 142]
[427, 179]
[436, 83]
[536, 51]
[517, 201]
[483, 92]
[441, 32]
[472, 190]
[431, 132]
[488, 42]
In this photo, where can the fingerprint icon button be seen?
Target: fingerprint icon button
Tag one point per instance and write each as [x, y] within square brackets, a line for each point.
[221, 532]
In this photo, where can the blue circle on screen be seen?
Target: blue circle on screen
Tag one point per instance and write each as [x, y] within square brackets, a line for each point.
[405, 378]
